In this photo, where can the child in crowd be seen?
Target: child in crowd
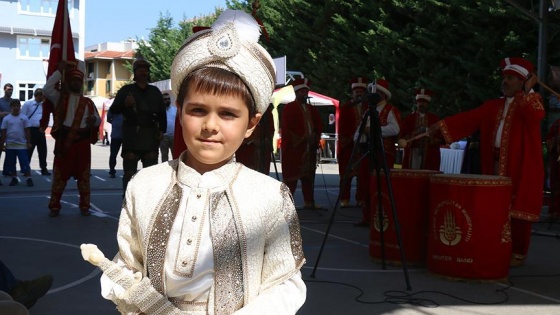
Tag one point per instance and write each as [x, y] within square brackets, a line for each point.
[16, 140]
[209, 234]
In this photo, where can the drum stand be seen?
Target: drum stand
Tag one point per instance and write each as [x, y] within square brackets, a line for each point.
[375, 145]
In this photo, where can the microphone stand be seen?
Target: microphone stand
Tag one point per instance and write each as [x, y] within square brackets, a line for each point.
[375, 145]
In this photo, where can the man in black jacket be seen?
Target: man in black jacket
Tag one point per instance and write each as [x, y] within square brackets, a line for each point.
[144, 120]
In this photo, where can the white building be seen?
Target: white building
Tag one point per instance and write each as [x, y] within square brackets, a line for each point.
[25, 40]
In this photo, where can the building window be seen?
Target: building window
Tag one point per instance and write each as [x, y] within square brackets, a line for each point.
[108, 87]
[26, 91]
[33, 47]
[42, 7]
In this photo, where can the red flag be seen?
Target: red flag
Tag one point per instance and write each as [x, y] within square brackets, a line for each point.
[62, 48]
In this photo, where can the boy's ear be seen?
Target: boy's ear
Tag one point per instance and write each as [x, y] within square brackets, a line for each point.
[253, 122]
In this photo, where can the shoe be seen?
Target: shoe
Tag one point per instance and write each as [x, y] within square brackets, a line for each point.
[112, 174]
[45, 172]
[53, 213]
[517, 260]
[29, 182]
[344, 204]
[14, 181]
[85, 212]
[362, 224]
[28, 292]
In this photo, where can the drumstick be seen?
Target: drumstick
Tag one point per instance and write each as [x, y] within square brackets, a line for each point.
[548, 88]
[403, 142]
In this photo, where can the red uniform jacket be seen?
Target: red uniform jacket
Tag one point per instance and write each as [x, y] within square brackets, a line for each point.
[349, 118]
[413, 125]
[256, 151]
[301, 131]
[520, 155]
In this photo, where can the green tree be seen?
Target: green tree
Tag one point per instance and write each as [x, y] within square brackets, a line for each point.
[165, 40]
[451, 46]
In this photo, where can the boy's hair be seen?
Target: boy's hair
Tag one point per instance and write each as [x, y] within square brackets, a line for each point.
[8, 85]
[217, 81]
[14, 102]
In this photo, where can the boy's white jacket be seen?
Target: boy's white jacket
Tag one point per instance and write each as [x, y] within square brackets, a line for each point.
[255, 234]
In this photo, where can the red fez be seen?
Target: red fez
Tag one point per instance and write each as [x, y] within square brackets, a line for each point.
[75, 73]
[424, 94]
[359, 83]
[516, 66]
[301, 84]
[383, 86]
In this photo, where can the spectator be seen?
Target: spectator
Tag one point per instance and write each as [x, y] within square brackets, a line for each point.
[116, 121]
[33, 109]
[166, 143]
[5, 110]
[21, 294]
[16, 140]
[144, 120]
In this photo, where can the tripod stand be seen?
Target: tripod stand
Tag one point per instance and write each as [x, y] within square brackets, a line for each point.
[377, 159]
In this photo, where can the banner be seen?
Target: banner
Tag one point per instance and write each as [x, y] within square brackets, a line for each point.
[62, 48]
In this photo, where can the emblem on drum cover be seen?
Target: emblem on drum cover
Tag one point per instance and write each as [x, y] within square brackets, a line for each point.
[449, 232]
[384, 201]
[451, 223]
[376, 221]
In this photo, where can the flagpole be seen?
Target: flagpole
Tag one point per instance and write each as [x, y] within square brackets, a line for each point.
[65, 32]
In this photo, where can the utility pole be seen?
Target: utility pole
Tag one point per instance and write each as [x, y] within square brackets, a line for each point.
[542, 19]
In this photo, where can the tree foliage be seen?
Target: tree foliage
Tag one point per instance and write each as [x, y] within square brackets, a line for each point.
[164, 42]
[453, 47]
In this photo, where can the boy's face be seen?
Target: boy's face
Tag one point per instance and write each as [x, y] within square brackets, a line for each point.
[214, 127]
[16, 109]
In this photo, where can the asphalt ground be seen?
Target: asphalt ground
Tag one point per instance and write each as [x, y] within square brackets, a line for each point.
[345, 280]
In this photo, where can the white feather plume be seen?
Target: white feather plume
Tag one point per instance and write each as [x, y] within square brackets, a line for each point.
[246, 26]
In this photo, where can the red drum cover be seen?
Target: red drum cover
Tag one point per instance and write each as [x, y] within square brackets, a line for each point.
[470, 232]
[411, 194]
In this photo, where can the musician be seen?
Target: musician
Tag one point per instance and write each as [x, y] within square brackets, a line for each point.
[301, 132]
[350, 116]
[256, 151]
[553, 146]
[422, 153]
[390, 121]
[510, 145]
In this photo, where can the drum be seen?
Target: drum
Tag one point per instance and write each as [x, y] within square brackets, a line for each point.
[469, 232]
[411, 195]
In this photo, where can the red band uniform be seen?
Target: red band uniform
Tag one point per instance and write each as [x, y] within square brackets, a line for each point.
[75, 116]
[422, 153]
[389, 121]
[256, 151]
[350, 116]
[301, 132]
[510, 145]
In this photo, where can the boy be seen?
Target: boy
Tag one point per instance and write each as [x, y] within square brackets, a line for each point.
[209, 234]
[16, 140]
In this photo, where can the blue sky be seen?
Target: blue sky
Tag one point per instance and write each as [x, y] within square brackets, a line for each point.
[117, 20]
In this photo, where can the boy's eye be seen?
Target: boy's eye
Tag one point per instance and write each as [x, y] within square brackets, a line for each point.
[197, 110]
[229, 114]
